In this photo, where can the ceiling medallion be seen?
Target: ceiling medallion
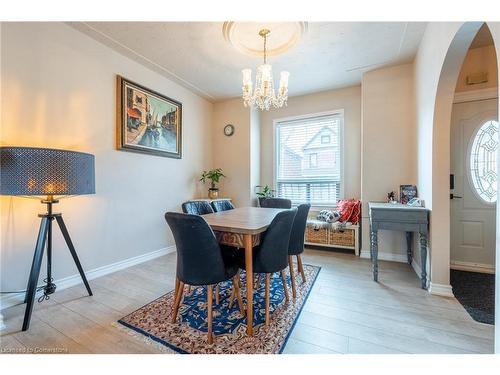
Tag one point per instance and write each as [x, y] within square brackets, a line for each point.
[264, 96]
[241, 36]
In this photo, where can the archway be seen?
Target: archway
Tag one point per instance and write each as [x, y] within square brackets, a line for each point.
[436, 187]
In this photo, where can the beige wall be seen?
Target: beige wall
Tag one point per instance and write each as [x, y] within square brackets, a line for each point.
[388, 147]
[233, 154]
[348, 99]
[478, 60]
[58, 90]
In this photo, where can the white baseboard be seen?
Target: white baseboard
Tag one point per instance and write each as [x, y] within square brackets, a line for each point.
[392, 257]
[440, 290]
[472, 267]
[9, 300]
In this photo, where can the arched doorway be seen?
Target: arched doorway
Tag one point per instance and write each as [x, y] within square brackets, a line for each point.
[433, 122]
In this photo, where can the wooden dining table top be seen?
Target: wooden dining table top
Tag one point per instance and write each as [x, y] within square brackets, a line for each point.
[247, 220]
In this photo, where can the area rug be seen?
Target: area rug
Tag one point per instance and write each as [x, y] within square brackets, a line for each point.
[476, 292]
[189, 333]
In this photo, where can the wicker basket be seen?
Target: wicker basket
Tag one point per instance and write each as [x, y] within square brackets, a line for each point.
[317, 235]
[342, 237]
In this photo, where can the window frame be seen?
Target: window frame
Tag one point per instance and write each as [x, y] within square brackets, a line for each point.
[311, 166]
[336, 112]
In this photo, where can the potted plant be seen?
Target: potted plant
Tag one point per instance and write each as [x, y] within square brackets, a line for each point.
[264, 193]
[214, 176]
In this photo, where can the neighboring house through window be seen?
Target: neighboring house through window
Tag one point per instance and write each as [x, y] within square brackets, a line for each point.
[308, 158]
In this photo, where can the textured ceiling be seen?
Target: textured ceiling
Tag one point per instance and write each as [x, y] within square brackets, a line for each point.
[195, 54]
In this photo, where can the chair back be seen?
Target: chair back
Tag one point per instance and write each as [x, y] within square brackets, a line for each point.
[199, 256]
[297, 235]
[276, 203]
[273, 253]
[197, 208]
[222, 205]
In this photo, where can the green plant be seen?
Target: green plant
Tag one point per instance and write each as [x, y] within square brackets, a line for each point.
[213, 175]
[265, 191]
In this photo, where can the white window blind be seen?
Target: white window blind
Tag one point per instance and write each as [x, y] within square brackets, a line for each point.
[309, 159]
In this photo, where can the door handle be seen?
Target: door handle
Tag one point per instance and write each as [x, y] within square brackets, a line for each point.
[454, 196]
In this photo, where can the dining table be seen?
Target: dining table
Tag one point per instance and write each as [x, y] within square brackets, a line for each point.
[242, 228]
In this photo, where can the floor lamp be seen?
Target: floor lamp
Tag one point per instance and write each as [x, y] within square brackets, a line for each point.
[50, 173]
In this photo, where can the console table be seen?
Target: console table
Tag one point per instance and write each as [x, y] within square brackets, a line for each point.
[399, 217]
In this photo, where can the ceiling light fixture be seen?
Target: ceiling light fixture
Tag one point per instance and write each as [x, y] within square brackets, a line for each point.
[264, 96]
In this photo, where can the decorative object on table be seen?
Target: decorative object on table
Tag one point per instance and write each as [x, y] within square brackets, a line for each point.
[416, 202]
[264, 192]
[188, 334]
[30, 171]
[148, 122]
[264, 96]
[214, 176]
[386, 216]
[391, 197]
[228, 130]
[328, 216]
[407, 192]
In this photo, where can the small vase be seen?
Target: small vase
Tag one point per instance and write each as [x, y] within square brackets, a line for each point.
[213, 193]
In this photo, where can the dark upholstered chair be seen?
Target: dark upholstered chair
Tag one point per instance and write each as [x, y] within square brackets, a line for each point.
[296, 246]
[197, 208]
[222, 205]
[200, 260]
[276, 203]
[272, 254]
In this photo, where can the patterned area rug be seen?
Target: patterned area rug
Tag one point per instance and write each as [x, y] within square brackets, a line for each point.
[476, 292]
[189, 333]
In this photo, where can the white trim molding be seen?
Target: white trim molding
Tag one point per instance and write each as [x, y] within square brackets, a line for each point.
[441, 290]
[475, 95]
[67, 282]
[472, 267]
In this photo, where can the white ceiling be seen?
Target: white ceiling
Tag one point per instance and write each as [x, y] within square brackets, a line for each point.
[195, 54]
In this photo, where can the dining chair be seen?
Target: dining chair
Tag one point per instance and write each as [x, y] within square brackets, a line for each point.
[296, 245]
[197, 208]
[222, 205]
[200, 261]
[272, 254]
[276, 203]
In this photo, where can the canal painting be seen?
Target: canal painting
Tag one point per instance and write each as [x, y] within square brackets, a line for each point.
[149, 122]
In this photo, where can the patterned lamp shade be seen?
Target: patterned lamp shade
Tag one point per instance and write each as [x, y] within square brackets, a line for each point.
[45, 171]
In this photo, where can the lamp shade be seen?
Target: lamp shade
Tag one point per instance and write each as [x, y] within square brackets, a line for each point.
[45, 171]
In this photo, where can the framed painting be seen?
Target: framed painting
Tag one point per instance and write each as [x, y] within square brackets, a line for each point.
[148, 122]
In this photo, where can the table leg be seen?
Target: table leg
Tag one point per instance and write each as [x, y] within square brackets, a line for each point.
[374, 247]
[423, 258]
[408, 246]
[247, 240]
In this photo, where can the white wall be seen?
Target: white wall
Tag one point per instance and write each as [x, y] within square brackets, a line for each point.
[388, 147]
[348, 99]
[58, 90]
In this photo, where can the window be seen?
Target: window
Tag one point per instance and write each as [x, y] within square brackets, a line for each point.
[313, 160]
[483, 161]
[308, 159]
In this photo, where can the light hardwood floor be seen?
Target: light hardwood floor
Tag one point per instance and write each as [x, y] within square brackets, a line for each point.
[346, 313]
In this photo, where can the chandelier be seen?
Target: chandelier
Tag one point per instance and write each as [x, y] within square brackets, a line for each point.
[264, 96]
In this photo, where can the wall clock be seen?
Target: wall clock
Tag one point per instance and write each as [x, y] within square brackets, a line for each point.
[229, 130]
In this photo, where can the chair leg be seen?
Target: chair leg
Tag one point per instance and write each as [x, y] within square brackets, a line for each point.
[176, 286]
[189, 289]
[292, 276]
[209, 314]
[237, 292]
[268, 279]
[259, 280]
[231, 297]
[178, 297]
[283, 280]
[217, 296]
[301, 268]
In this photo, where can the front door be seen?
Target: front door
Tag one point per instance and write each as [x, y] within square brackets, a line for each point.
[474, 148]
